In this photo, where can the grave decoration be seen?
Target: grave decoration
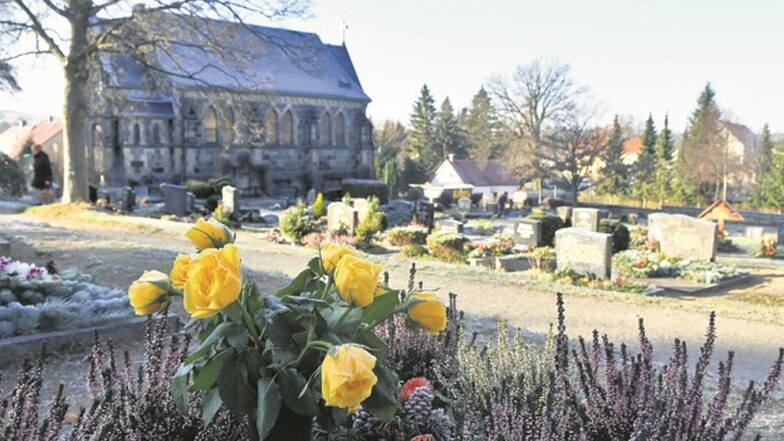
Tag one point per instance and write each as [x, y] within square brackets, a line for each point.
[721, 211]
[310, 350]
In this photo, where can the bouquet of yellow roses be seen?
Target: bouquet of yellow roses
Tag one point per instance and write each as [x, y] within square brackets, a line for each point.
[307, 352]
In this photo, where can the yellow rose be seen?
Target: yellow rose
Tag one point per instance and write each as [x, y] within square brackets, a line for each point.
[213, 282]
[356, 280]
[427, 311]
[149, 293]
[332, 252]
[209, 234]
[347, 377]
[179, 272]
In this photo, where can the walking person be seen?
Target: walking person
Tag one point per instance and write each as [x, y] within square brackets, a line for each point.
[42, 176]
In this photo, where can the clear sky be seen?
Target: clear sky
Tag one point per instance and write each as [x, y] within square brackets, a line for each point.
[636, 57]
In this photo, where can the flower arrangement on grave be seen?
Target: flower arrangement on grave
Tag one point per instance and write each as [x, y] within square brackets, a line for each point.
[307, 352]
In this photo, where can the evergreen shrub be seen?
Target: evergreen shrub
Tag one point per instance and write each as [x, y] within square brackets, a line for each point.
[296, 223]
[620, 234]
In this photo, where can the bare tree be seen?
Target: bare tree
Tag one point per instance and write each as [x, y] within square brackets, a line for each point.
[539, 95]
[570, 148]
[77, 32]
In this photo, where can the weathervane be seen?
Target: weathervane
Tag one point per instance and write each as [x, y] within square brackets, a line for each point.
[344, 27]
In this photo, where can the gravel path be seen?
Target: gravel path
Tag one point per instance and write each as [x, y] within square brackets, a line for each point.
[117, 253]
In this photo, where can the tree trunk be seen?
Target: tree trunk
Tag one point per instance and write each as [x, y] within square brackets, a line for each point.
[75, 110]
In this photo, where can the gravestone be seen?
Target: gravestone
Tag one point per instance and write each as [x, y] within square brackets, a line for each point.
[190, 202]
[654, 226]
[780, 231]
[174, 199]
[361, 206]
[565, 213]
[127, 200]
[342, 217]
[687, 237]
[141, 191]
[585, 252]
[755, 232]
[586, 219]
[633, 218]
[231, 202]
[311, 197]
[399, 212]
[449, 226]
[528, 232]
[424, 213]
[464, 205]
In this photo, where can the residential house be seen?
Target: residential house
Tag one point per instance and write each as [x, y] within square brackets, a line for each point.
[463, 177]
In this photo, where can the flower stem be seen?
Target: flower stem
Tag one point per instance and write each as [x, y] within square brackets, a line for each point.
[250, 325]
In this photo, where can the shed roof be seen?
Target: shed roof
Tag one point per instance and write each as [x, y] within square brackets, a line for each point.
[483, 173]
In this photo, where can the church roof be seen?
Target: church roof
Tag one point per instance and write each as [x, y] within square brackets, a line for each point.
[204, 53]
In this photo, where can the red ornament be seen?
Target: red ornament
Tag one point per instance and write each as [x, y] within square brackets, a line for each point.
[423, 438]
[411, 385]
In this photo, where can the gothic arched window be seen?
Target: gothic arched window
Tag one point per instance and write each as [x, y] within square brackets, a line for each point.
[326, 129]
[156, 134]
[210, 126]
[340, 129]
[287, 129]
[271, 127]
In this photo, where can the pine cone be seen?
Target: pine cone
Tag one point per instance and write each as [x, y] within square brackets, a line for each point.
[441, 424]
[364, 423]
[419, 405]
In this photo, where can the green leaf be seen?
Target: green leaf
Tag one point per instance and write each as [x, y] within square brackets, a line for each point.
[292, 384]
[210, 404]
[296, 285]
[382, 307]
[382, 403]
[237, 337]
[179, 383]
[315, 266]
[376, 345]
[235, 391]
[233, 311]
[208, 375]
[267, 405]
[350, 323]
[205, 345]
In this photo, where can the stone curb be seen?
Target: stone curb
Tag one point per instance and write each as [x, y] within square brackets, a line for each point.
[14, 349]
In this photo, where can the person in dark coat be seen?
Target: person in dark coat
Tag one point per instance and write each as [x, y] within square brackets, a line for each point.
[42, 174]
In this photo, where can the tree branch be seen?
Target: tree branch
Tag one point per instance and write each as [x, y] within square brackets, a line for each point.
[41, 32]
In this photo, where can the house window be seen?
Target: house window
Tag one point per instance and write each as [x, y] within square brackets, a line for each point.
[210, 126]
[137, 134]
[340, 129]
[227, 131]
[326, 129]
[156, 134]
[271, 127]
[287, 131]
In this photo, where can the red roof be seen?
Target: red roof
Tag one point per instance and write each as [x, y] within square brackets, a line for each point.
[632, 146]
[40, 134]
[483, 173]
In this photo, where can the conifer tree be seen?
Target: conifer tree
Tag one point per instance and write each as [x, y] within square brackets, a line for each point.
[663, 168]
[447, 137]
[644, 167]
[614, 172]
[764, 166]
[421, 136]
[702, 157]
[482, 127]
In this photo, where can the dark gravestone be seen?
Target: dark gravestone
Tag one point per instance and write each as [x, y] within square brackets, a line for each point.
[190, 202]
[174, 199]
[127, 200]
[528, 232]
[780, 230]
[449, 226]
[585, 252]
[586, 219]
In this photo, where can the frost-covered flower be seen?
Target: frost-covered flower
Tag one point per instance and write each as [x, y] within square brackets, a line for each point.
[37, 273]
[4, 262]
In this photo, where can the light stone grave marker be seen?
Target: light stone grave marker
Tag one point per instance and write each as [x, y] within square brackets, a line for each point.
[449, 226]
[525, 232]
[361, 206]
[341, 217]
[687, 237]
[231, 201]
[464, 205]
[585, 252]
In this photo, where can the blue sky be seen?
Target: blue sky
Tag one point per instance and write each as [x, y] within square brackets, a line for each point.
[636, 57]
